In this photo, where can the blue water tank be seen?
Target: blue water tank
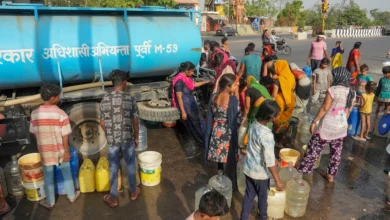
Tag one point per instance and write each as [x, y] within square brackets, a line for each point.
[354, 122]
[42, 44]
[74, 167]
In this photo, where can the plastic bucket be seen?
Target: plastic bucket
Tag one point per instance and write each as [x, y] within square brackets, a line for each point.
[35, 190]
[30, 166]
[287, 154]
[150, 167]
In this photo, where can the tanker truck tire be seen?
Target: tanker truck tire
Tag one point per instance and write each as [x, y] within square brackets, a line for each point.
[87, 136]
[149, 113]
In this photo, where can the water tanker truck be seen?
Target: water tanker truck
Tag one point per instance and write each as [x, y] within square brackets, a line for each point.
[77, 48]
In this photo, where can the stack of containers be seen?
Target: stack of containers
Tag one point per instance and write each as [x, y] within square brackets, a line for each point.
[30, 166]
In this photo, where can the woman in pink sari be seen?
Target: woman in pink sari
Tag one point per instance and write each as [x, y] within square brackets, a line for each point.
[183, 99]
[221, 68]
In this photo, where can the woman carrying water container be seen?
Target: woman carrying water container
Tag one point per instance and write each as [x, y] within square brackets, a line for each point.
[332, 118]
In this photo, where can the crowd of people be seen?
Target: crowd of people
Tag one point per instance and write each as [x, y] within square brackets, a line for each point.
[262, 90]
[266, 92]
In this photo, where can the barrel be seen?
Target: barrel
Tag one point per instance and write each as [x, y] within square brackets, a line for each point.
[150, 167]
[287, 154]
[34, 190]
[74, 168]
[30, 166]
[145, 41]
[354, 122]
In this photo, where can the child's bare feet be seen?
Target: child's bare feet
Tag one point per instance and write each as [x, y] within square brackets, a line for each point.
[328, 177]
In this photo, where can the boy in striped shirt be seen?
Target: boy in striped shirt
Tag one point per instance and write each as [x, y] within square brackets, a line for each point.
[51, 127]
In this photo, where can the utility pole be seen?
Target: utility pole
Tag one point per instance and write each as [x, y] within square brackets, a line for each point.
[324, 9]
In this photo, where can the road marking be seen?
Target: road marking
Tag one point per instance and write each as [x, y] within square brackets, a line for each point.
[239, 41]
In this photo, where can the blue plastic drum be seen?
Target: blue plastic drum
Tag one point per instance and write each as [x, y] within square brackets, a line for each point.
[384, 125]
[74, 167]
[307, 70]
[354, 122]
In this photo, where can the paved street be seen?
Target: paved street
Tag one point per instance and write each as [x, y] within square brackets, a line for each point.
[373, 50]
[358, 192]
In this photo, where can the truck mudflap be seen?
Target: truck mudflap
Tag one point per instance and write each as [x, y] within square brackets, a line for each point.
[14, 129]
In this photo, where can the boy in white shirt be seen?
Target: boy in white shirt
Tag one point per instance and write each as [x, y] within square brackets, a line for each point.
[274, 39]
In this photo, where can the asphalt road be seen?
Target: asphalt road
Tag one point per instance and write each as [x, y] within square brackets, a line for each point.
[373, 50]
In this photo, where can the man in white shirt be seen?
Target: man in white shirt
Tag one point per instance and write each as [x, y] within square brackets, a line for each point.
[274, 39]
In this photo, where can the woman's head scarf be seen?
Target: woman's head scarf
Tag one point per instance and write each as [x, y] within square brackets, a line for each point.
[286, 79]
[342, 77]
[252, 82]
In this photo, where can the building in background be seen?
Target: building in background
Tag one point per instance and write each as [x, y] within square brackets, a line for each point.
[189, 5]
[212, 21]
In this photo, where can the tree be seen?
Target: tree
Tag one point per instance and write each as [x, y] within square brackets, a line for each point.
[265, 8]
[290, 14]
[354, 15]
[380, 18]
[310, 17]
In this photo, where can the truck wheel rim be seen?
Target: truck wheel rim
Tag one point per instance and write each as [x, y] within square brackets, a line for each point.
[88, 136]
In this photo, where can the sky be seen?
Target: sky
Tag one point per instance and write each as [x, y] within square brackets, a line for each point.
[383, 5]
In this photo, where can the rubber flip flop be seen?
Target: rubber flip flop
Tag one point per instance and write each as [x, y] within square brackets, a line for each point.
[106, 200]
[137, 192]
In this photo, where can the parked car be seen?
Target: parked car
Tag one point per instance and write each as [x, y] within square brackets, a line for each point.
[226, 31]
[387, 29]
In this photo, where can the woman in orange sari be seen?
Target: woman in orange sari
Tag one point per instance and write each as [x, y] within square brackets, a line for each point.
[353, 64]
[283, 93]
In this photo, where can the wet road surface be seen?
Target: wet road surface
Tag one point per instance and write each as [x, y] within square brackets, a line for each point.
[358, 192]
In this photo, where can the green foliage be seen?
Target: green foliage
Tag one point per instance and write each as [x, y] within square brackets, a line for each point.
[291, 14]
[265, 8]
[294, 14]
[380, 18]
[110, 3]
[354, 15]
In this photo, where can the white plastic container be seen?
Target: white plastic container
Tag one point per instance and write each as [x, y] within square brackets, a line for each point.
[276, 203]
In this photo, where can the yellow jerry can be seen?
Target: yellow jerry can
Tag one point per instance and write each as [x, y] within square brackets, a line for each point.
[87, 176]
